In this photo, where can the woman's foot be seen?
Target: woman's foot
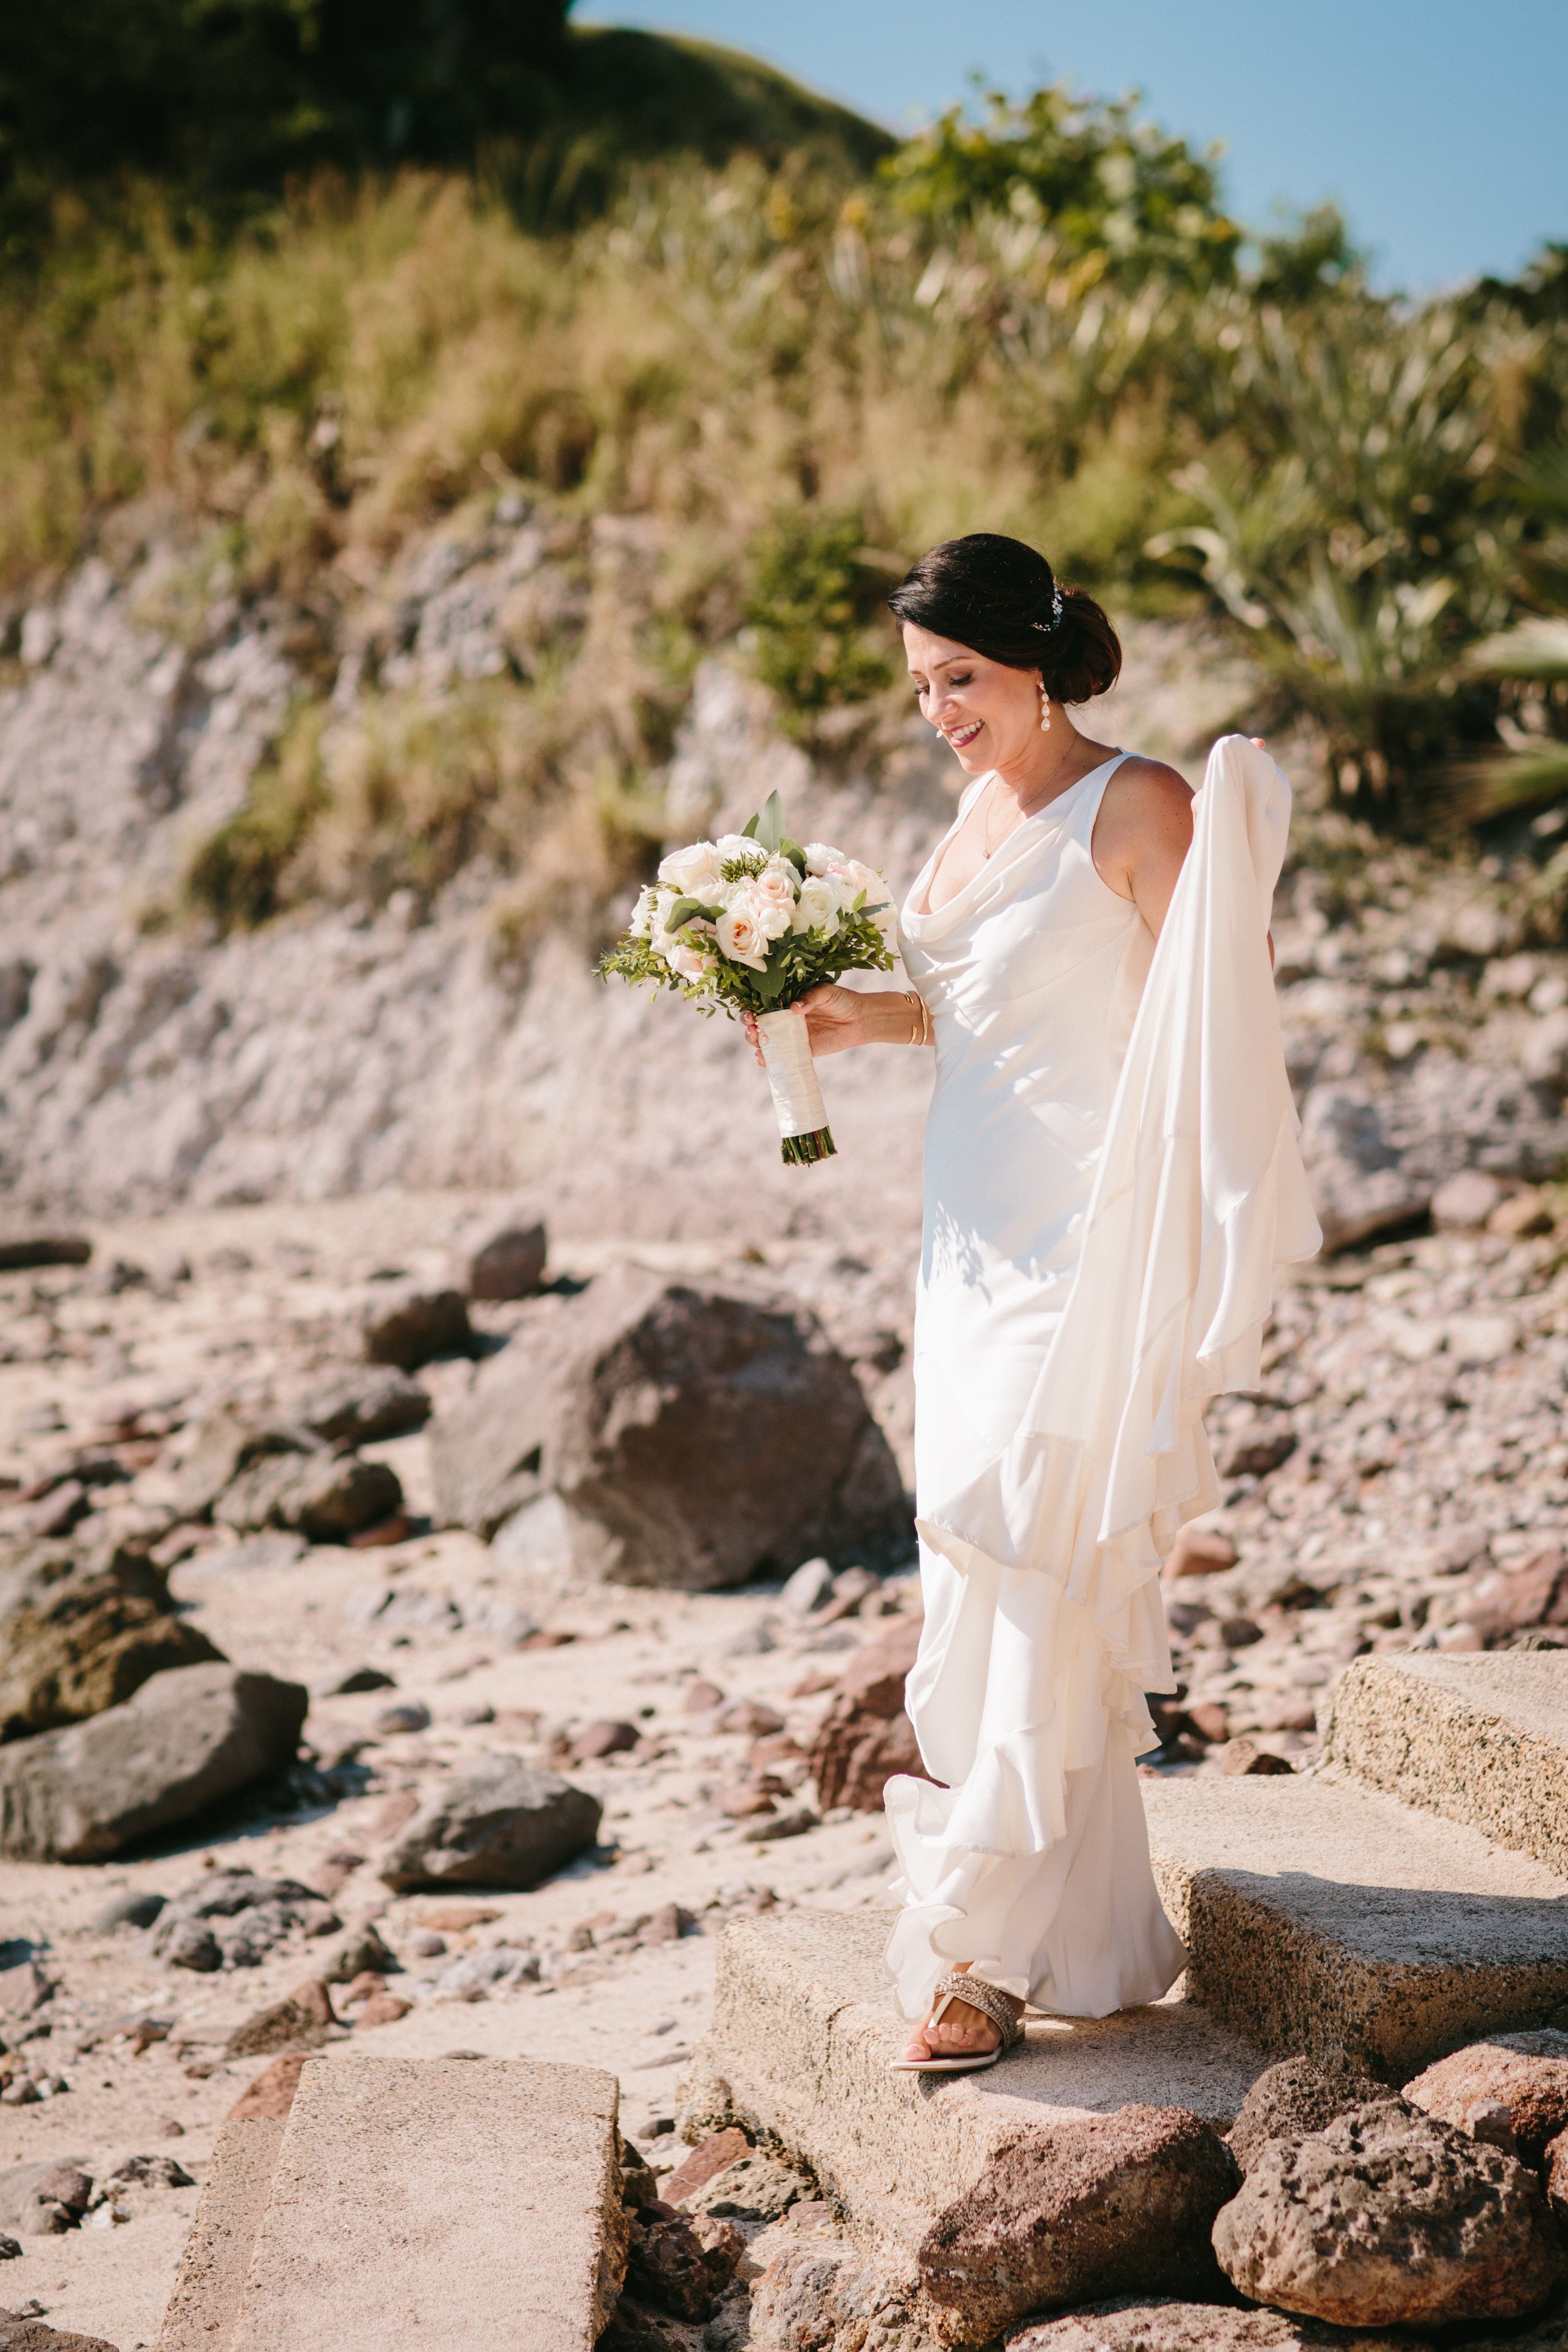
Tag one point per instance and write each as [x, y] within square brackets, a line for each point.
[963, 2031]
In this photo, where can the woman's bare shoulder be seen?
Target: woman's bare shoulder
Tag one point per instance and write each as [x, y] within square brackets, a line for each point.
[1145, 796]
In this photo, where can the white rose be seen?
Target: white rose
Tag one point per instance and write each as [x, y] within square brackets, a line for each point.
[686, 961]
[641, 924]
[867, 879]
[775, 887]
[734, 844]
[818, 908]
[819, 856]
[740, 936]
[692, 871]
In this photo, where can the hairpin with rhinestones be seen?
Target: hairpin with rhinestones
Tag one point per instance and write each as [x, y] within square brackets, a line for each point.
[1055, 621]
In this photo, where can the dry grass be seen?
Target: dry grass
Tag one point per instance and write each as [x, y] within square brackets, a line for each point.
[729, 365]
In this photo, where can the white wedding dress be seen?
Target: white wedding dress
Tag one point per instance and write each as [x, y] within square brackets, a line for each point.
[1111, 1177]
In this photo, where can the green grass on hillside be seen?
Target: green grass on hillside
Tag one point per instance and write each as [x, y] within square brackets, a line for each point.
[738, 400]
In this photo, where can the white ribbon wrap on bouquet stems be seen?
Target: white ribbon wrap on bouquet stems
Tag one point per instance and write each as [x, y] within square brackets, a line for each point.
[792, 1073]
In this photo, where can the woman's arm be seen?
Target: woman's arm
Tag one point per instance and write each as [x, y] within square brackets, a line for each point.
[1142, 835]
[838, 1018]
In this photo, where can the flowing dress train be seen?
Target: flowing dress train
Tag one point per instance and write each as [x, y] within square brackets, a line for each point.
[1111, 1177]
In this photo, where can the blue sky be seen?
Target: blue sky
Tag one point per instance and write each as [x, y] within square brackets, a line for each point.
[1440, 130]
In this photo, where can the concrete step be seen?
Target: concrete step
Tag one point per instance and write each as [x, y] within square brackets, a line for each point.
[1319, 1914]
[1480, 1739]
[804, 2026]
[411, 2205]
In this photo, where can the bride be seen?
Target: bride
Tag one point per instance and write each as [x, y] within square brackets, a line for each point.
[1111, 1177]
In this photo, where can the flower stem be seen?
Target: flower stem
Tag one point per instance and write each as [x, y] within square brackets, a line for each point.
[800, 1151]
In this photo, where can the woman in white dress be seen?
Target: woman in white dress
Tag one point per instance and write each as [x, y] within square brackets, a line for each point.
[1112, 1176]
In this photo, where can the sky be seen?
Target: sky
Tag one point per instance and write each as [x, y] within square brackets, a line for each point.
[1440, 129]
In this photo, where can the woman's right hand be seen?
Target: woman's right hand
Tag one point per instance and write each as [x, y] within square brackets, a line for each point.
[838, 1018]
[835, 1019]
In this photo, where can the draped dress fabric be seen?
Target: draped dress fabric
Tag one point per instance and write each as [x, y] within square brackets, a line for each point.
[1111, 1177]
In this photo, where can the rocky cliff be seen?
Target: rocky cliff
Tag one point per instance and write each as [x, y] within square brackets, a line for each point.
[146, 1060]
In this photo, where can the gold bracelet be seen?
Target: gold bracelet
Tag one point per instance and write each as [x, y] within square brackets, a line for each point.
[921, 1033]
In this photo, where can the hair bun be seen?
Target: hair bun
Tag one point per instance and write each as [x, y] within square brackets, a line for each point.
[990, 593]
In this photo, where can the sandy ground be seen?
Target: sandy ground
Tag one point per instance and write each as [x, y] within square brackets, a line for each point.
[80, 1354]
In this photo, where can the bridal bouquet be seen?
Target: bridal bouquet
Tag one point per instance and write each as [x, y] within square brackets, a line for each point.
[750, 923]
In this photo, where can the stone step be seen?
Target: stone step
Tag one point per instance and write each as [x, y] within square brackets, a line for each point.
[1480, 1739]
[411, 2205]
[804, 2024]
[1319, 1912]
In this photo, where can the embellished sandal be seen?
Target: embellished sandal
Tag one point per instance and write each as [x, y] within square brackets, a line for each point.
[991, 2003]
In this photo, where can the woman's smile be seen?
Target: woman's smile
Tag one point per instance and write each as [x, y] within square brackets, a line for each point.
[960, 737]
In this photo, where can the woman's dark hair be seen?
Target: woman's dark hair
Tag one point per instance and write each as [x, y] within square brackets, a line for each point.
[1000, 598]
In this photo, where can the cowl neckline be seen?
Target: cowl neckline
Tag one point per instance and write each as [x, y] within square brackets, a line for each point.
[934, 922]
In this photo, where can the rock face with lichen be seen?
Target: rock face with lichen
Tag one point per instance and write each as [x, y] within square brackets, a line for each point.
[74, 1641]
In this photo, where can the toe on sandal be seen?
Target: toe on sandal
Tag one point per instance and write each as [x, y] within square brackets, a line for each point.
[992, 2003]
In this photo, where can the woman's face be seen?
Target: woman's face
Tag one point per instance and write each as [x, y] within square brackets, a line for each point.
[988, 711]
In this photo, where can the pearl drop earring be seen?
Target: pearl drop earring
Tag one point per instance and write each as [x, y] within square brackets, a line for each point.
[1045, 709]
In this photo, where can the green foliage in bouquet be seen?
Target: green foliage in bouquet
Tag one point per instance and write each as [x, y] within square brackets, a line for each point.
[709, 941]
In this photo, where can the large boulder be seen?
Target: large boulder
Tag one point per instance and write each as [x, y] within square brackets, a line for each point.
[187, 1739]
[1525, 2072]
[79, 1636]
[866, 1737]
[654, 1433]
[1387, 2218]
[507, 1823]
[1102, 2205]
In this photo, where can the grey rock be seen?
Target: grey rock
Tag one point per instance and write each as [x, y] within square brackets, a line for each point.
[497, 1964]
[1358, 1184]
[323, 1496]
[408, 1715]
[129, 1911]
[222, 1445]
[508, 1823]
[411, 1327]
[358, 1951]
[1545, 1054]
[1292, 2098]
[808, 1588]
[362, 1407]
[1375, 1159]
[508, 1264]
[361, 1678]
[654, 1433]
[19, 2188]
[187, 1739]
[195, 1947]
[24, 1988]
[1388, 2217]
